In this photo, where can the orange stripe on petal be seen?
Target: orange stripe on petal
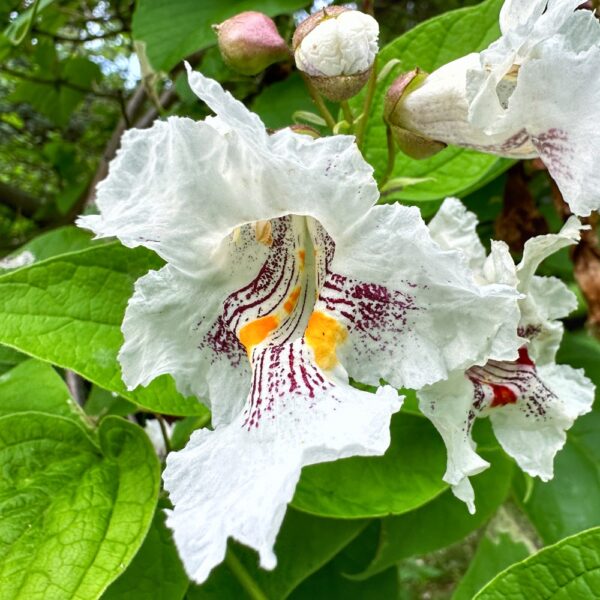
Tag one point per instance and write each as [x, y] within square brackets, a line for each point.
[292, 300]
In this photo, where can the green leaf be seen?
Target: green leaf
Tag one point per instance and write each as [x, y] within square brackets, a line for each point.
[34, 385]
[454, 171]
[406, 477]
[443, 521]
[570, 502]
[173, 30]
[54, 99]
[303, 545]
[496, 551]
[156, 573]
[68, 310]
[276, 104]
[330, 581]
[58, 241]
[74, 512]
[9, 358]
[101, 402]
[184, 428]
[568, 570]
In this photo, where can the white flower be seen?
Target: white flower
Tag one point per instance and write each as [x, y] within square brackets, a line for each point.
[344, 43]
[281, 277]
[531, 93]
[530, 401]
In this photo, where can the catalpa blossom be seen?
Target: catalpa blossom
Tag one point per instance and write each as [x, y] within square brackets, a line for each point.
[281, 278]
[531, 401]
[528, 94]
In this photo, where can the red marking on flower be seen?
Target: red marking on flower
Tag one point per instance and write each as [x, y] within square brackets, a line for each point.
[524, 357]
[502, 395]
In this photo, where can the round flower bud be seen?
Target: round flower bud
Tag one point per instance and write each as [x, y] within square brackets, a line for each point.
[336, 48]
[411, 143]
[249, 42]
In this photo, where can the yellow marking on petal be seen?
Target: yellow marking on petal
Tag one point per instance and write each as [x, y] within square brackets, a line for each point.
[323, 334]
[257, 331]
[263, 231]
[292, 300]
[302, 256]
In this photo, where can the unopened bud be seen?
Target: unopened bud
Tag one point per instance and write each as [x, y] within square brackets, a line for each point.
[336, 48]
[249, 42]
[303, 129]
[411, 143]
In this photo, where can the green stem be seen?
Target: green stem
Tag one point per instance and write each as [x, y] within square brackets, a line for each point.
[391, 156]
[17, 40]
[318, 100]
[362, 124]
[347, 112]
[243, 577]
[163, 431]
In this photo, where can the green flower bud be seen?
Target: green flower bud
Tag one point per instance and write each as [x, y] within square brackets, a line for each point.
[411, 143]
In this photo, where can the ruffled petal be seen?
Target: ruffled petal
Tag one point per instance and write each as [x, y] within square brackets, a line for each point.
[454, 228]
[199, 181]
[552, 98]
[516, 13]
[533, 429]
[237, 480]
[541, 247]
[172, 325]
[412, 310]
[449, 406]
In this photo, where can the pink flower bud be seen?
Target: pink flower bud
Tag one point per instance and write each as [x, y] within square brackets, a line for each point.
[249, 42]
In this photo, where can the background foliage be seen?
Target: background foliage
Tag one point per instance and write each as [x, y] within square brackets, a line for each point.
[80, 502]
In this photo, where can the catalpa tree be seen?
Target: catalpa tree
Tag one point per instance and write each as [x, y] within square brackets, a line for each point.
[299, 301]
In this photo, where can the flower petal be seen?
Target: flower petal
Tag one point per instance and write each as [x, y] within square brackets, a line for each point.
[454, 228]
[199, 181]
[552, 94]
[237, 480]
[413, 311]
[541, 247]
[533, 430]
[167, 329]
[449, 406]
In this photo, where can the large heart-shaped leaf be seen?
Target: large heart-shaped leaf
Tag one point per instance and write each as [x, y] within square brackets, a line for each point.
[75, 511]
[68, 310]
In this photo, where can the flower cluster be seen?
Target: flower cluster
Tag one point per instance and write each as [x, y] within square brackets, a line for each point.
[284, 280]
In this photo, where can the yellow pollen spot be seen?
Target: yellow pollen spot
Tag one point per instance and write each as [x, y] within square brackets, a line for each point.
[302, 256]
[323, 334]
[257, 331]
[292, 299]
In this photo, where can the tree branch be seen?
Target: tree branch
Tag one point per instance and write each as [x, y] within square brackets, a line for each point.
[18, 200]
[59, 83]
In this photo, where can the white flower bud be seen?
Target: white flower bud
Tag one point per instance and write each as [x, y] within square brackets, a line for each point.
[336, 48]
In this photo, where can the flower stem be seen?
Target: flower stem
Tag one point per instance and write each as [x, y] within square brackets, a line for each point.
[347, 112]
[362, 124]
[243, 577]
[318, 100]
[391, 156]
[163, 431]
